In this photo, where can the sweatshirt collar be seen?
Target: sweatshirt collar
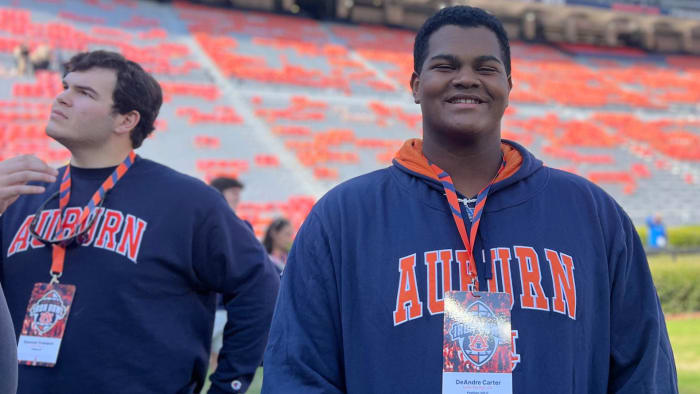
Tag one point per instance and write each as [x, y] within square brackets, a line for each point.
[411, 157]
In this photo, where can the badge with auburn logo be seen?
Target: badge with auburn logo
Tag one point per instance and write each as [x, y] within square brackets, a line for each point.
[476, 343]
[44, 324]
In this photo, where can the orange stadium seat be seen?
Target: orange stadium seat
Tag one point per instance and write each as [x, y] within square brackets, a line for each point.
[337, 138]
[267, 160]
[207, 141]
[325, 173]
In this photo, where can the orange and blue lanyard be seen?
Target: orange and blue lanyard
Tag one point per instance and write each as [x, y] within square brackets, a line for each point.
[452, 200]
[59, 248]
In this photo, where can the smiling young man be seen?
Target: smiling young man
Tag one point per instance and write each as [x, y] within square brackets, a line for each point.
[366, 285]
[110, 272]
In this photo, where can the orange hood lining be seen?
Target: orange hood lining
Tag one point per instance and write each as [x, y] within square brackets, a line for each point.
[411, 156]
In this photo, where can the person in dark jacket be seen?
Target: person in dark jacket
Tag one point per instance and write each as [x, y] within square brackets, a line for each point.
[368, 279]
[8, 350]
[124, 256]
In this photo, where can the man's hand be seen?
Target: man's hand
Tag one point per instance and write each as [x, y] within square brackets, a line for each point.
[16, 172]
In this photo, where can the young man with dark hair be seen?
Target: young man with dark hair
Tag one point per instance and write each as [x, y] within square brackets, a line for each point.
[230, 188]
[133, 253]
[369, 276]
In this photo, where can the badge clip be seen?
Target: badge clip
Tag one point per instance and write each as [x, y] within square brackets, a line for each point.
[54, 277]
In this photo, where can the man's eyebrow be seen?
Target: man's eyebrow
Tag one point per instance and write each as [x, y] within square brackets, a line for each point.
[447, 57]
[455, 60]
[83, 87]
[487, 58]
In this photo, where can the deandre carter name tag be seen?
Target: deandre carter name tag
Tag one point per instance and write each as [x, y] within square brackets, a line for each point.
[476, 353]
[44, 324]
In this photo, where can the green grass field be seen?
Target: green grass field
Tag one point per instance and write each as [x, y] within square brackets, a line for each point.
[684, 334]
[256, 386]
[686, 349]
[667, 260]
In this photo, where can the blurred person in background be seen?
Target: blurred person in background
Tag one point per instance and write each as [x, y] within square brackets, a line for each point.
[657, 232]
[230, 188]
[30, 61]
[40, 58]
[21, 54]
[277, 242]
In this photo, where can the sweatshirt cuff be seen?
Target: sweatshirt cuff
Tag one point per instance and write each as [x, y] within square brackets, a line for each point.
[236, 386]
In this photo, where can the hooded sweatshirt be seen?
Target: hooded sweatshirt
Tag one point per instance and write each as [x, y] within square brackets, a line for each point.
[360, 309]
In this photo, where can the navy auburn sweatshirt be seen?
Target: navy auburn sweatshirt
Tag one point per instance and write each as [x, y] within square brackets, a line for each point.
[146, 278]
[360, 308]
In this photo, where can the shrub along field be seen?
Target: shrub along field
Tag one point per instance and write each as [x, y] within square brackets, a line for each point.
[677, 282]
[678, 237]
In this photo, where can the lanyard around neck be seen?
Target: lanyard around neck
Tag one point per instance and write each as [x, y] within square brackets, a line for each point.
[59, 246]
[453, 201]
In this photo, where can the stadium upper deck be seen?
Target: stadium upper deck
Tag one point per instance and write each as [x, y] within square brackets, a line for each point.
[293, 106]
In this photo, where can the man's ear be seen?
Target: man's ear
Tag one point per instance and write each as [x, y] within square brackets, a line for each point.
[127, 122]
[415, 84]
[510, 87]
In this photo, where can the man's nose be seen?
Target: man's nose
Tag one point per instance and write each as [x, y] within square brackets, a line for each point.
[63, 98]
[466, 78]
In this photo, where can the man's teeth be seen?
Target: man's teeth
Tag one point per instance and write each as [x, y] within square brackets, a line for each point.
[465, 101]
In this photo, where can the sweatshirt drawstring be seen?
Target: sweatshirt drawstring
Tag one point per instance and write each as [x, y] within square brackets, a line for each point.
[486, 258]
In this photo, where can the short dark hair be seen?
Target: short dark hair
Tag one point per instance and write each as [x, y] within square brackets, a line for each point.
[274, 228]
[223, 183]
[462, 16]
[135, 88]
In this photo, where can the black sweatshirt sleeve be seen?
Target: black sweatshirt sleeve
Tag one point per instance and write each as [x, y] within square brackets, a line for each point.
[233, 262]
[641, 359]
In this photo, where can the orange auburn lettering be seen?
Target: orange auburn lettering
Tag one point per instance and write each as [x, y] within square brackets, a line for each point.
[111, 225]
[20, 242]
[532, 296]
[502, 256]
[435, 303]
[562, 269]
[446, 260]
[70, 221]
[40, 227]
[435, 295]
[408, 305]
[131, 237]
[116, 233]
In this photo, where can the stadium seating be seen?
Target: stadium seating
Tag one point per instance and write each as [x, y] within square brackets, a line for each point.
[294, 106]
